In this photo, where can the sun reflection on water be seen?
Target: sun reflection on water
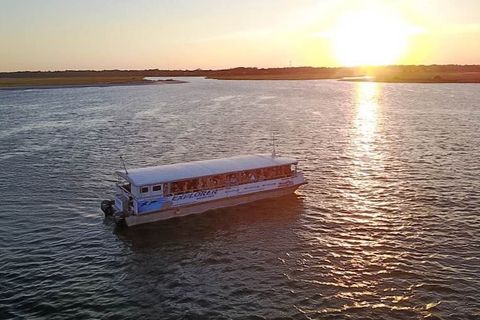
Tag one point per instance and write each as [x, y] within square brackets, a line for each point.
[360, 277]
[365, 150]
[367, 106]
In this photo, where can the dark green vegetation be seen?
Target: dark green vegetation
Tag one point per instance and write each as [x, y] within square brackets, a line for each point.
[414, 74]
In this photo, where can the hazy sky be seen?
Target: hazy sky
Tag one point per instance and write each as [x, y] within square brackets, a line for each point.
[189, 34]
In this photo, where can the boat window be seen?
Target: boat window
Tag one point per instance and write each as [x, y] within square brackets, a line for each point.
[192, 185]
[157, 188]
[273, 173]
[223, 180]
[167, 189]
[178, 187]
[243, 177]
[125, 187]
[218, 181]
[270, 173]
[232, 179]
[287, 172]
[278, 172]
[143, 189]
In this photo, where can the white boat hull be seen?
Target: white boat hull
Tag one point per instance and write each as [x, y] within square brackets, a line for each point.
[208, 205]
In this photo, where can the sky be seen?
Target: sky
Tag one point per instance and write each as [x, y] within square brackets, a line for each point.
[215, 34]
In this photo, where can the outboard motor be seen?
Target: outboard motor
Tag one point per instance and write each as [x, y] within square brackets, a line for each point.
[107, 207]
[119, 218]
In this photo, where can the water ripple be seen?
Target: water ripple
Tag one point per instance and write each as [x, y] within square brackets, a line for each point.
[387, 227]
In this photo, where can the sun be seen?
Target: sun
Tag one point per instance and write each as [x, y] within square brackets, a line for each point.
[370, 38]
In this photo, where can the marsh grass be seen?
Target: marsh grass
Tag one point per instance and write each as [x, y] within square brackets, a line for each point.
[70, 81]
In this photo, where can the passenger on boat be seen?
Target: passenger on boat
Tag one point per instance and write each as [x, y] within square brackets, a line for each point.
[262, 174]
[232, 178]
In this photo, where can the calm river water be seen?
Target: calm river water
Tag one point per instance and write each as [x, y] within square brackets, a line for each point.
[387, 228]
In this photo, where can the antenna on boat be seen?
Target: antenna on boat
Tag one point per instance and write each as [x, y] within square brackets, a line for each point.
[274, 152]
[123, 163]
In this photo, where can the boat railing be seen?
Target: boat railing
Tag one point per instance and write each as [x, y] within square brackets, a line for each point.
[123, 189]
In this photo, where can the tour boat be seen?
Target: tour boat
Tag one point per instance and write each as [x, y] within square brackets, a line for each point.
[162, 192]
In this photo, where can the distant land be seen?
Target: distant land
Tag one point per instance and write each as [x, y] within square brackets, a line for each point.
[62, 79]
[396, 74]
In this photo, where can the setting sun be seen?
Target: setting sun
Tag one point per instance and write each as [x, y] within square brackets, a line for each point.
[370, 37]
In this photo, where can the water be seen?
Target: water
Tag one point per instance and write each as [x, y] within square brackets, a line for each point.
[388, 226]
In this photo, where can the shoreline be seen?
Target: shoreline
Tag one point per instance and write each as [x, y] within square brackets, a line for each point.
[25, 80]
[91, 85]
[342, 79]
[417, 81]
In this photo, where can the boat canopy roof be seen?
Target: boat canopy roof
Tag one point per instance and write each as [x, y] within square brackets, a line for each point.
[195, 169]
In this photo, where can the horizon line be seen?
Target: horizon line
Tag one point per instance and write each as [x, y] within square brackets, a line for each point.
[244, 67]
